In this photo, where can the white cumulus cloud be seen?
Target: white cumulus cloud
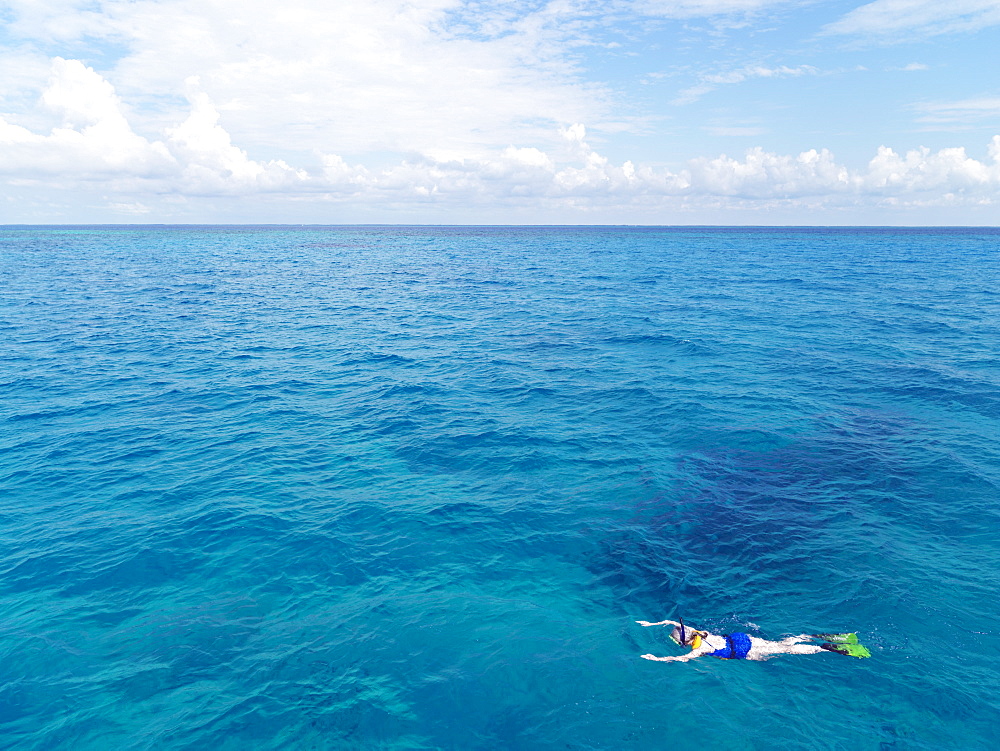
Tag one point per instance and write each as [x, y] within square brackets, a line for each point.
[96, 142]
[945, 171]
[212, 163]
[761, 174]
[94, 136]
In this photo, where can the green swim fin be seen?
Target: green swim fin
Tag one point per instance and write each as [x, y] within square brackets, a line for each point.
[838, 638]
[851, 649]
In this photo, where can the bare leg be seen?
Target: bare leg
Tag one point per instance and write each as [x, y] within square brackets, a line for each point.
[795, 639]
[763, 650]
[804, 649]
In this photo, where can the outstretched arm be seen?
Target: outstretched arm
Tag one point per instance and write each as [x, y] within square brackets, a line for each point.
[658, 623]
[678, 658]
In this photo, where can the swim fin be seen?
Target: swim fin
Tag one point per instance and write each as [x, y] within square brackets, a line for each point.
[838, 638]
[851, 649]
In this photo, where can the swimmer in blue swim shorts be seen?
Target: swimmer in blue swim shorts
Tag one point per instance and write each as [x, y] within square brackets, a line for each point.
[740, 646]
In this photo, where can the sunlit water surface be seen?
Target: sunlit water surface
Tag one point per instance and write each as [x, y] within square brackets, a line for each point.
[410, 488]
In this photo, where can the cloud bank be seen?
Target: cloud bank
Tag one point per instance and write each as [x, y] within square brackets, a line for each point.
[94, 146]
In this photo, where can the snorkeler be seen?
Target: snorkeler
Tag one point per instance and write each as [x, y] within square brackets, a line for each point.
[739, 646]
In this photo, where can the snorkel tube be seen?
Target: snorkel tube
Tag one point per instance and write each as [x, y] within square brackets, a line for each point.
[695, 638]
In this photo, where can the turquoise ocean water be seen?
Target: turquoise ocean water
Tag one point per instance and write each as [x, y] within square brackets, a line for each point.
[410, 488]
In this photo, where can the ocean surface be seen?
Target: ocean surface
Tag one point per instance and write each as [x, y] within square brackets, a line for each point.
[411, 487]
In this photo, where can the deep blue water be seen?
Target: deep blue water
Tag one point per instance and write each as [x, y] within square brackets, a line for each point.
[410, 488]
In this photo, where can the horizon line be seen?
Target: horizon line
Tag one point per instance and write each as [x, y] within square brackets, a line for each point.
[25, 225]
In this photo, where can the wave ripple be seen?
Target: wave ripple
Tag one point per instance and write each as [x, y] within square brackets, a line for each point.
[410, 487]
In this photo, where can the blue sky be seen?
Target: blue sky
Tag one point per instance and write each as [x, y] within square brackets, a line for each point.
[451, 111]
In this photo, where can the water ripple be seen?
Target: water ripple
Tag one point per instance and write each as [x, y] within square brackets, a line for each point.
[404, 487]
